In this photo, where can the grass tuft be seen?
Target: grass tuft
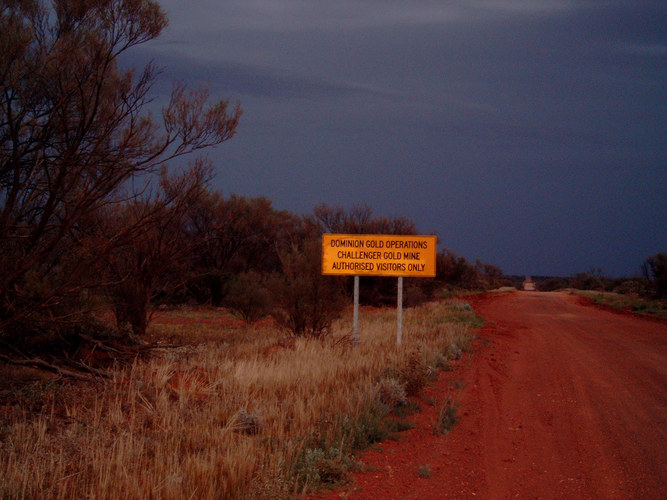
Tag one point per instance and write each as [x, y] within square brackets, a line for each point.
[447, 417]
[424, 471]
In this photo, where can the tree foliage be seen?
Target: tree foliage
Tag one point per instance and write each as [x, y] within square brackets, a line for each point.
[74, 131]
[306, 301]
[154, 260]
[237, 234]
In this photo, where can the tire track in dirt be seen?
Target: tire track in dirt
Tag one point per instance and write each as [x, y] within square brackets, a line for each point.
[561, 400]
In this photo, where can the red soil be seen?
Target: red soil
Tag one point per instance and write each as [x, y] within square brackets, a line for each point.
[560, 400]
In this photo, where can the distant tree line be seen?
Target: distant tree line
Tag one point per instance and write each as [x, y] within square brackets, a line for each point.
[193, 246]
[650, 282]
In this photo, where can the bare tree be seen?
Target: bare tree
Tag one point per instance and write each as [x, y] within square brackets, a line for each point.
[74, 131]
[360, 220]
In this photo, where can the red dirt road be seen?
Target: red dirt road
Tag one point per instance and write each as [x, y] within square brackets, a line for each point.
[561, 400]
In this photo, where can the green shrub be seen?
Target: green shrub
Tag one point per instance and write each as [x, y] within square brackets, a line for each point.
[424, 471]
[447, 417]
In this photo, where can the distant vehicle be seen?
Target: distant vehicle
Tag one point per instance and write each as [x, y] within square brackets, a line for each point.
[528, 285]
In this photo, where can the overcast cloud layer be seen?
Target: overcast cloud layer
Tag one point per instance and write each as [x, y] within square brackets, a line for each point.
[528, 133]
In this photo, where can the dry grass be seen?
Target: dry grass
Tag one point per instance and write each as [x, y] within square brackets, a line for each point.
[239, 412]
[627, 302]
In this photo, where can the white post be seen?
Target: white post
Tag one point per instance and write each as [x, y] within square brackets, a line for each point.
[399, 311]
[355, 320]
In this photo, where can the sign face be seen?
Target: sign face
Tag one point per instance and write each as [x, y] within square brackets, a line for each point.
[378, 255]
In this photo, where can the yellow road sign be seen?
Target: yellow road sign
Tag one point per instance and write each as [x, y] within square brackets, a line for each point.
[379, 255]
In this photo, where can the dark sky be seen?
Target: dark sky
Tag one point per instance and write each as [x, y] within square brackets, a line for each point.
[531, 134]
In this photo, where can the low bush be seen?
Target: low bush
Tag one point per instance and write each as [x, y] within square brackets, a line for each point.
[447, 417]
[305, 302]
[390, 393]
[424, 471]
[248, 297]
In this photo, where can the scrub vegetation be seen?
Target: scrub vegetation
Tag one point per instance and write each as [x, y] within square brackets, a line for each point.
[649, 284]
[235, 411]
[626, 302]
[643, 294]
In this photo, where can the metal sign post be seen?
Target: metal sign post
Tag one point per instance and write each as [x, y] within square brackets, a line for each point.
[399, 311]
[355, 320]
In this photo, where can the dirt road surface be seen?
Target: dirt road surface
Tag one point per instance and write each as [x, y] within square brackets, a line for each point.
[561, 399]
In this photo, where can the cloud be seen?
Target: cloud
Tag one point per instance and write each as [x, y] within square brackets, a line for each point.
[238, 79]
[207, 17]
[643, 49]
